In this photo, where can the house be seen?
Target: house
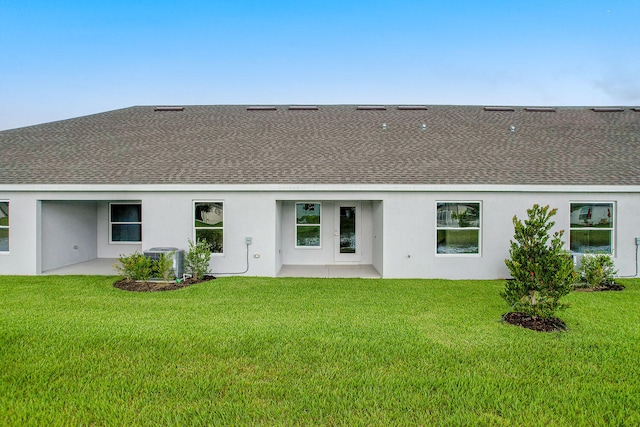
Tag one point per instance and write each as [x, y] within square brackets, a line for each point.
[375, 190]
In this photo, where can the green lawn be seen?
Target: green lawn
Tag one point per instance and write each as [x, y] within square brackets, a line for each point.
[256, 351]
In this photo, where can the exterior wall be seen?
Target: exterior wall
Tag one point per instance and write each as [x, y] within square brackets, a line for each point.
[377, 227]
[410, 250]
[325, 254]
[168, 219]
[401, 228]
[278, 237]
[113, 250]
[23, 255]
[69, 233]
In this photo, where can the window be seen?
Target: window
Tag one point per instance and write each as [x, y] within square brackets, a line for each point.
[4, 226]
[458, 228]
[208, 224]
[591, 228]
[125, 221]
[308, 225]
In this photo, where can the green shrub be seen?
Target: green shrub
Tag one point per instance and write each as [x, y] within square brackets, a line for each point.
[197, 259]
[542, 270]
[135, 266]
[597, 269]
[163, 267]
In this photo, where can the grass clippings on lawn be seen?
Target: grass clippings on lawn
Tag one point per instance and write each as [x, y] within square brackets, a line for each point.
[255, 351]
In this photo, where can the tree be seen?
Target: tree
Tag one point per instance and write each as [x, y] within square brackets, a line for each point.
[542, 270]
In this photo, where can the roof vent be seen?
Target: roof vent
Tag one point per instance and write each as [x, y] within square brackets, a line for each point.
[498, 109]
[412, 107]
[424, 126]
[371, 107]
[541, 109]
[607, 109]
[512, 128]
[168, 108]
[261, 108]
[636, 109]
[384, 126]
[303, 107]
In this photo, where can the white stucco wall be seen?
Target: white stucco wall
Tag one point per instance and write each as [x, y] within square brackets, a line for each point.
[114, 250]
[377, 227]
[168, 221]
[398, 223]
[278, 236]
[325, 254]
[23, 255]
[410, 250]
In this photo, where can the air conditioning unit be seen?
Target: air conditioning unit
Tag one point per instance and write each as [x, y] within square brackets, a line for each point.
[577, 260]
[177, 256]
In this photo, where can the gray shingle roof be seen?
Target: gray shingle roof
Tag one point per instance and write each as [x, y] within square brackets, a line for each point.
[333, 144]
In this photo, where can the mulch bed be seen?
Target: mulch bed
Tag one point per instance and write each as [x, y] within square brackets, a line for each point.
[552, 324]
[601, 288]
[534, 323]
[135, 286]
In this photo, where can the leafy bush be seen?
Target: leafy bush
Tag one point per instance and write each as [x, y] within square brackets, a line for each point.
[197, 259]
[163, 267]
[597, 269]
[135, 266]
[542, 270]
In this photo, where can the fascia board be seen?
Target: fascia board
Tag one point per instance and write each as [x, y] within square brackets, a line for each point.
[373, 188]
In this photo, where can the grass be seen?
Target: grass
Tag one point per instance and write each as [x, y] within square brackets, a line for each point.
[256, 351]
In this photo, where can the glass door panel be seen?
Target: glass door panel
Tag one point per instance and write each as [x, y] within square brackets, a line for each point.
[347, 229]
[347, 232]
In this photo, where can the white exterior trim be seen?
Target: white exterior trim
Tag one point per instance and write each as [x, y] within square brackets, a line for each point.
[194, 228]
[111, 223]
[478, 228]
[7, 227]
[370, 188]
[296, 225]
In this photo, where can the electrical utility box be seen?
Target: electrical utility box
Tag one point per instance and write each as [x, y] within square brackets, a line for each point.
[177, 257]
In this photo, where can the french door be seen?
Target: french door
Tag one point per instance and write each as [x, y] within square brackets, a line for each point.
[347, 231]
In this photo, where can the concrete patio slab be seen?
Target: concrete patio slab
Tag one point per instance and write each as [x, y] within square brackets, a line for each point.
[98, 266]
[331, 270]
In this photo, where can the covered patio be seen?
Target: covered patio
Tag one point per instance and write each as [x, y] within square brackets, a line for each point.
[97, 266]
[105, 267]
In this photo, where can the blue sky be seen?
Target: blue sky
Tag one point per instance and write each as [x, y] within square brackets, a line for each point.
[67, 58]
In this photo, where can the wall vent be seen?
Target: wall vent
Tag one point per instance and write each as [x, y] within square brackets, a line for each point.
[303, 107]
[607, 109]
[541, 109]
[168, 108]
[412, 107]
[498, 109]
[371, 107]
[261, 108]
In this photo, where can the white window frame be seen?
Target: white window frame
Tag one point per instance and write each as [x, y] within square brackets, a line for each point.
[193, 218]
[112, 223]
[296, 225]
[612, 230]
[478, 228]
[7, 227]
